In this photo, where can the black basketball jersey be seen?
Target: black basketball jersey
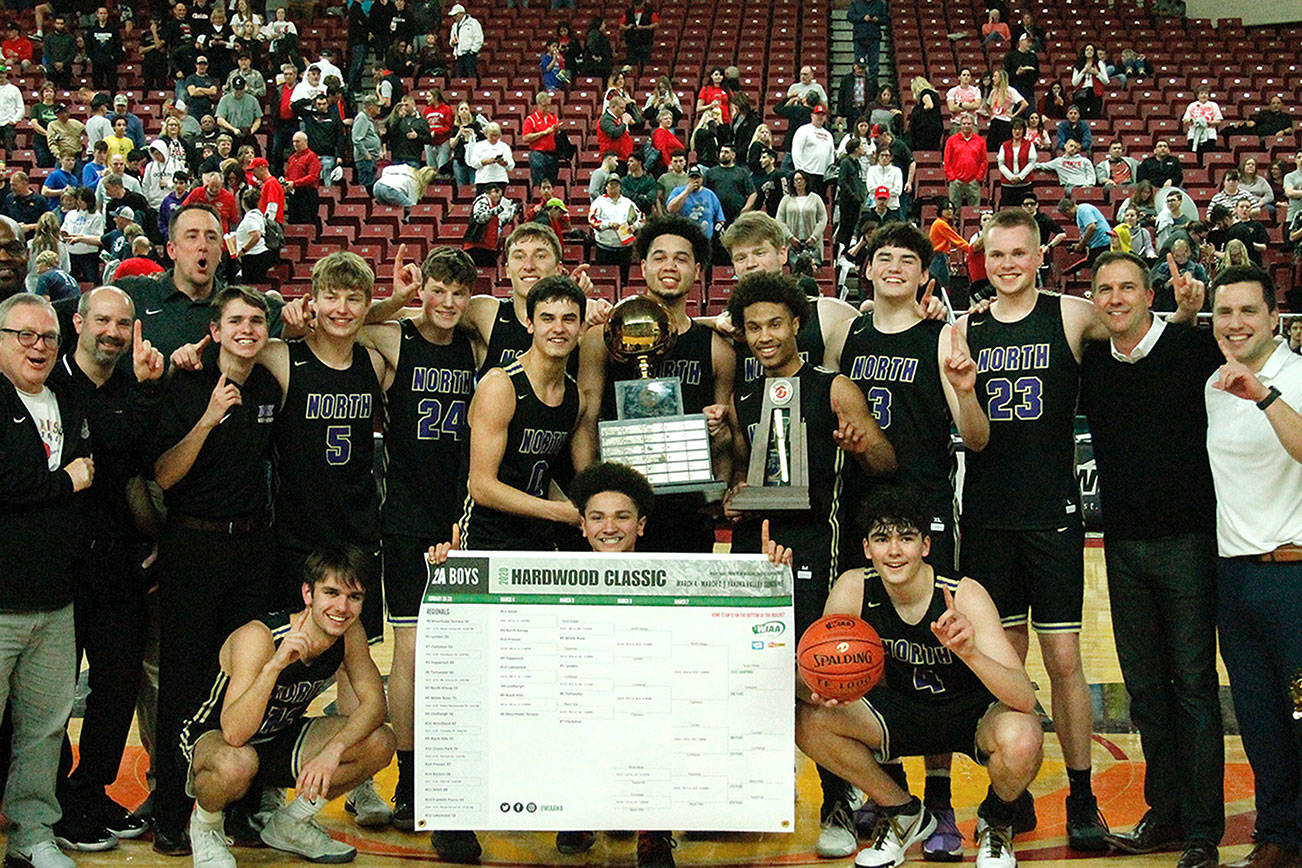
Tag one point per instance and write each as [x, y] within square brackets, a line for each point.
[690, 361]
[325, 453]
[812, 535]
[296, 686]
[809, 344]
[427, 439]
[536, 436]
[917, 664]
[1027, 380]
[508, 340]
[900, 378]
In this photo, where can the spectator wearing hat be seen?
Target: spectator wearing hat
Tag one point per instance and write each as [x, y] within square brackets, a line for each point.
[113, 245]
[103, 48]
[271, 195]
[12, 111]
[253, 80]
[615, 220]
[65, 134]
[813, 151]
[307, 89]
[880, 213]
[697, 203]
[466, 39]
[239, 113]
[16, 48]
[201, 89]
[99, 126]
[135, 129]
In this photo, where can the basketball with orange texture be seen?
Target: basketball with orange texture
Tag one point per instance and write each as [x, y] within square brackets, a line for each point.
[840, 657]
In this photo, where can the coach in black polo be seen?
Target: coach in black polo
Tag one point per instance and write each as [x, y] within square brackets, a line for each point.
[1142, 392]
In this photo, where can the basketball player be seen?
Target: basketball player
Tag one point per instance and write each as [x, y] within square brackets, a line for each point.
[953, 682]
[214, 572]
[837, 422]
[533, 252]
[917, 376]
[670, 251]
[325, 445]
[253, 723]
[614, 503]
[521, 418]
[427, 395]
[1022, 531]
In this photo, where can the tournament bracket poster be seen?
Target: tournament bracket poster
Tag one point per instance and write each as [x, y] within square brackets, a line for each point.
[605, 691]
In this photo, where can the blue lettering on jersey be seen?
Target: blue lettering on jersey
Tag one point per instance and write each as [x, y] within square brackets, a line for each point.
[1031, 357]
[917, 654]
[899, 369]
[536, 441]
[331, 406]
[686, 370]
[445, 380]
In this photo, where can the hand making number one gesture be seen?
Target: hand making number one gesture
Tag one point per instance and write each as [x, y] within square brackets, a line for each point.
[1189, 292]
[1237, 378]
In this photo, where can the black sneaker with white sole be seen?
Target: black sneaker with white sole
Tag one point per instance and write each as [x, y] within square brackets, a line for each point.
[77, 830]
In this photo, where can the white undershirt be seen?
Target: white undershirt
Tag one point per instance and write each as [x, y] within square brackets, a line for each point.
[45, 411]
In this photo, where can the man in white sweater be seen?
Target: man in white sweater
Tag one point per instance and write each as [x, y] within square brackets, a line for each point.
[12, 111]
[813, 150]
[1073, 168]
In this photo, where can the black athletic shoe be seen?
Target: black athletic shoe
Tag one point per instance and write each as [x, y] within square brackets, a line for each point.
[459, 847]
[1024, 819]
[1086, 828]
[240, 826]
[655, 849]
[571, 843]
[170, 844]
[79, 831]
[118, 820]
[404, 813]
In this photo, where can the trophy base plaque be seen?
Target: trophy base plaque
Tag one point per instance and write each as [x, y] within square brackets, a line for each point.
[772, 497]
[672, 452]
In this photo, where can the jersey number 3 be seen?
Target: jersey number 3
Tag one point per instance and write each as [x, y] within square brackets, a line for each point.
[1014, 399]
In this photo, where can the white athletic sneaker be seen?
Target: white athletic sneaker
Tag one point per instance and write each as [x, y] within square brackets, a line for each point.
[836, 837]
[305, 838]
[208, 845]
[273, 799]
[994, 846]
[46, 854]
[893, 835]
[369, 810]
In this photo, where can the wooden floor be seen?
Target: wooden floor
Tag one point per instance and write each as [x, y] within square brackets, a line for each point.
[1118, 783]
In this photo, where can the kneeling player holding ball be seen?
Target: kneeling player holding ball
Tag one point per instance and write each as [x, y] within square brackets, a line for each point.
[952, 683]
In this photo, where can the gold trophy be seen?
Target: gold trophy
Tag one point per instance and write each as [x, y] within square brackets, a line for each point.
[651, 433]
[777, 477]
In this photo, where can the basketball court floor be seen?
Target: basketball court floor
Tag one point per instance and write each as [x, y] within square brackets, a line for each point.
[1118, 783]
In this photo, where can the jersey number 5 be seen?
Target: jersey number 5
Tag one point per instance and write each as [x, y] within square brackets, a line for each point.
[339, 445]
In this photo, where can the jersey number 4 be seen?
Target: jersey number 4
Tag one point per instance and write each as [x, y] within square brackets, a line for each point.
[1018, 399]
[434, 423]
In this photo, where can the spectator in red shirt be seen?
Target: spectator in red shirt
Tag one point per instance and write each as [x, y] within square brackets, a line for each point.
[612, 130]
[302, 177]
[271, 201]
[16, 48]
[138, 264]
[539, 133]
[438, 153]
[666, 141]
[713, 94]
[286, 122]
[213, 193]
[966, 163]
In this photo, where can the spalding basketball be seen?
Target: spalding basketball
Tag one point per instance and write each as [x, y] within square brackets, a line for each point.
[840, 657]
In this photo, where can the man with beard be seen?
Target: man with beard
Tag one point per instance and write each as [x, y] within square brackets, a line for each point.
[671, 251]
[111, 614]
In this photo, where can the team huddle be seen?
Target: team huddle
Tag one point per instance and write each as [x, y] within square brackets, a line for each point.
[490, 419]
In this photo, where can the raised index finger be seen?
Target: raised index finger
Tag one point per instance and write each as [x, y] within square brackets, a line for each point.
[1225, 350]
[764, 535]
[949, 596]
[397, 260]
[1176, 276]
[137, 337]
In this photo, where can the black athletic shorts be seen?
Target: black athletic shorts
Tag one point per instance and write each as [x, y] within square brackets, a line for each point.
[912, 728]
[290, 578]
[280, 757]
[1042, 571]
[405, 575]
